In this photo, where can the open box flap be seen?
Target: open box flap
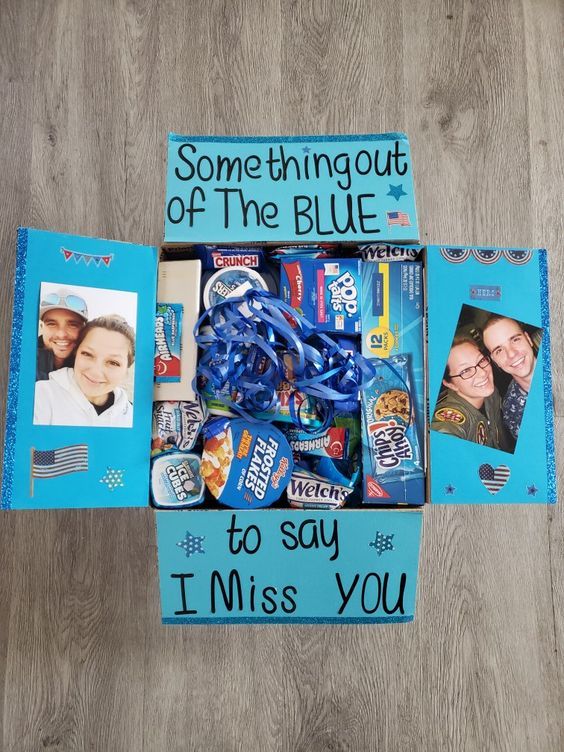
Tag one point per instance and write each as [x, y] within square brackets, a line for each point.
[290, 189]
[500, 449]
[279, 566]
[59, 452]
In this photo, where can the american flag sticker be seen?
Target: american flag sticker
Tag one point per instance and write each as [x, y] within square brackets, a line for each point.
[494, 479]
[51, 463]
[397, 218]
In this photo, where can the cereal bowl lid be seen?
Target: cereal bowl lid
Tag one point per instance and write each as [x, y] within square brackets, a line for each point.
[246, 465]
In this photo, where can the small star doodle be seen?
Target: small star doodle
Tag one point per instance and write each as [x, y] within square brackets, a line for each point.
[113, 478]
[532, 490]
[396, 191]
[450, 489]
[382, 543]
[192, 544]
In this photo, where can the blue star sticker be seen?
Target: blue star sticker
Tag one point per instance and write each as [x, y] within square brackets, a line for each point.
[532, 490]
[450, 489]
[382, 543]
[396, 191]
[192, 544]
[306, 150]
[113, 478]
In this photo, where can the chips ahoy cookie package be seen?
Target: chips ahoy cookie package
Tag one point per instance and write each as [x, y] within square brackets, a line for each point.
[263, 379]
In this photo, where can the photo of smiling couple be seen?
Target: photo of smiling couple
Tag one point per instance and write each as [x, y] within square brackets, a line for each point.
[487, 379]
[85, 357]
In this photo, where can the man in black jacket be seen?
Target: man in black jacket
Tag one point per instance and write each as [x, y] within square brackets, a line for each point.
[62, 315]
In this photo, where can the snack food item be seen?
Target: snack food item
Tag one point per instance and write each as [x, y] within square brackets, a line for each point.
[389, 252]
[168, 331]
[179, 290]
[245, 465]
[176, 482]
[231, 282]
[307, 490]
[176, 425]
[392, 330]
[326, 292]
[331, 443]
[391, 456]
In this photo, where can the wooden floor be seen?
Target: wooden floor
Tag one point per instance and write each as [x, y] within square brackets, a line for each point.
[88, 93]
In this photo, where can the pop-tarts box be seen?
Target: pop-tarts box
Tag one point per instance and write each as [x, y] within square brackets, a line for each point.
[393, 409]
[325, 291]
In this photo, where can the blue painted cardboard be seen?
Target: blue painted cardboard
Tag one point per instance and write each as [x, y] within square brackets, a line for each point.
[278, 566]
[298, 189]
[78, 465]
[466, 285]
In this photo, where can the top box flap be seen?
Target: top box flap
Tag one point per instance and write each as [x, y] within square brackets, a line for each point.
[490, 392]
[78, 420]
[272, 189]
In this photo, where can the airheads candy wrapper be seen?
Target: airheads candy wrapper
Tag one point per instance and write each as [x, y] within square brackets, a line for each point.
[307, 490]
[326, 292]
[176, 481]
[393, 465]
[331, 443]
[176, 425]
[246, 465]
[168, 333]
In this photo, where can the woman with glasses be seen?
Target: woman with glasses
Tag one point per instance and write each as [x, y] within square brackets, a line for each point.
[470, 407]
[91, 393]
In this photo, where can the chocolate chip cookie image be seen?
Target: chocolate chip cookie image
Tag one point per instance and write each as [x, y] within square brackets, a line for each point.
[392, 402]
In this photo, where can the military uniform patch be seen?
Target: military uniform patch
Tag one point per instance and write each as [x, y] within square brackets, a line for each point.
[450, 415]
[481, 433]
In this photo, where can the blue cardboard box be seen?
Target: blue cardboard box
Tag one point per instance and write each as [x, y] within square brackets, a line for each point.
[278, 564]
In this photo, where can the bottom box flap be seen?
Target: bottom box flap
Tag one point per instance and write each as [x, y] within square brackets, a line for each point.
[280, 566]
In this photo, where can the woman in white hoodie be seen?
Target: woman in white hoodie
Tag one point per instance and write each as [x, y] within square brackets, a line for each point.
[90, 393]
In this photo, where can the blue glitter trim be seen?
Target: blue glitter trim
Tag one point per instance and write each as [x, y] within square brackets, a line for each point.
[14, 372]
[290, 139]
[547, 379]
[281, 620]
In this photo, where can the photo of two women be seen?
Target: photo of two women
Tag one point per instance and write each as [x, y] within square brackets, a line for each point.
[85, 357]
[487, 379]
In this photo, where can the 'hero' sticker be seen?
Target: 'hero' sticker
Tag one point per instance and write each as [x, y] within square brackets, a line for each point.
[450, 415]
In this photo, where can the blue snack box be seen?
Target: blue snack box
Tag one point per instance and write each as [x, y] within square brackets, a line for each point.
[392, 324]
[325, 291]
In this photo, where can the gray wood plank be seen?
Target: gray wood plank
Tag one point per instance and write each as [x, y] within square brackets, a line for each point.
[15, 158]
[18, 19]
[84, 661]
[544, 29]
[79, 122]
[485, 616]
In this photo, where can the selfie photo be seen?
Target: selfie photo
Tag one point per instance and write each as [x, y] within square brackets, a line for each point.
[487, 379]
[85, 356]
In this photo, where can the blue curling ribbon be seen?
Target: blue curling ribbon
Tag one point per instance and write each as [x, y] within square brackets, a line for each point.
[243, 342]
